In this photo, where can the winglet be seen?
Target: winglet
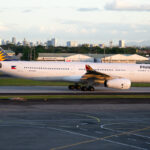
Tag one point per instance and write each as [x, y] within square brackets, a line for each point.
[88, 68]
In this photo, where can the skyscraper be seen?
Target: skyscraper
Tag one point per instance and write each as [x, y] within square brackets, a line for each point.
[49, 43]
[14, 40]
[122, 44]
[111, 44]
[72, 44]
[54, 42]
[25, 43]
[3, 42]
[0, 42]
[102, 45]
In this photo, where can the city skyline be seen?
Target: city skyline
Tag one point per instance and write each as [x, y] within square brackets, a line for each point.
[54, 42]
[84, 21]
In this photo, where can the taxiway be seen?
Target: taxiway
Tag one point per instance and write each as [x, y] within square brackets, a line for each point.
[75, 127]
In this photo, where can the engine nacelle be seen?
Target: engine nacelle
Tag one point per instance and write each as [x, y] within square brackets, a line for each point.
[118, 83]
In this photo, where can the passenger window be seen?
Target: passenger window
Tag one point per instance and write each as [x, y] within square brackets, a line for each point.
[0, 65]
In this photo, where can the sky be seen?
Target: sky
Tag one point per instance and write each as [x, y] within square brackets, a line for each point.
[84, 21]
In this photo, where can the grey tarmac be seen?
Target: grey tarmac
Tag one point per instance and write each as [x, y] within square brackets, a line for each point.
[75, 127]
[65, 90]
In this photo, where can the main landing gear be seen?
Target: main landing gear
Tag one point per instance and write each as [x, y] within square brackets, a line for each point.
[82, 88]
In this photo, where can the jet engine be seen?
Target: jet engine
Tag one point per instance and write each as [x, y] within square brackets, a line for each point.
[121, 83]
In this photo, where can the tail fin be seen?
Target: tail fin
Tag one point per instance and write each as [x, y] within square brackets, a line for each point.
[88, 68]
[3, 55]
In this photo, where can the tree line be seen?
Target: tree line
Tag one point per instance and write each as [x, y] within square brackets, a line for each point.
[31, 53]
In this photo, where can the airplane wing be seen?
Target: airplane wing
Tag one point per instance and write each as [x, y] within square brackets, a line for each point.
[94, 77]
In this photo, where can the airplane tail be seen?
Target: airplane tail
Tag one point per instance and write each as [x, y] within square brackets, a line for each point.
[4, 56]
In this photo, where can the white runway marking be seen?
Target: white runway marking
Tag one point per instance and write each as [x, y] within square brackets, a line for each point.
[147, 143]
[132, 146]
[131, 139]
[139, 135]
[93, 137]
[74, 133]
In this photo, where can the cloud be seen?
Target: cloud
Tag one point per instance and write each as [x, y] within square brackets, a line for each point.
[27, 11]
[2, 10]
[88, 9]
[141, 31]
[82, 31]
[31, 9]
[3, 28]
[125, 5]
[114, 31]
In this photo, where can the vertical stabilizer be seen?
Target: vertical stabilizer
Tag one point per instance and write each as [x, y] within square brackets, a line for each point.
[3, 55]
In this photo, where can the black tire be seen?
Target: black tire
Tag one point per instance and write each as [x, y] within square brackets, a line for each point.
[91, 88]
[84, 88]
[78, 87]
[71, 87]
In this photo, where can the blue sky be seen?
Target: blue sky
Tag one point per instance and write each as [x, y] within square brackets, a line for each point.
[84, 21]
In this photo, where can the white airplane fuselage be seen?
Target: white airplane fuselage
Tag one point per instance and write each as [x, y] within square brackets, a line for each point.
[73, 71]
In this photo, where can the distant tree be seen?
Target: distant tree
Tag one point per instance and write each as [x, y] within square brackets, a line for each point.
[32, 52]
[26, 53]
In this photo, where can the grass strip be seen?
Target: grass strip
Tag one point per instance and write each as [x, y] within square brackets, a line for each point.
[140, 84]
[75, 96]
[27, 82]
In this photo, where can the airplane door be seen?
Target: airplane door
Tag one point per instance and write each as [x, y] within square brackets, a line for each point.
[73, 70]
[20, 68]
[132, 74]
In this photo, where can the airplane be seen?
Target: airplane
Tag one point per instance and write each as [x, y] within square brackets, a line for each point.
[84, 75]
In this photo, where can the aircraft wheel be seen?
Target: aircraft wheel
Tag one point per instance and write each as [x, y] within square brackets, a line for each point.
[91, 88]
[78, 87]
[84, 88]
[71, 87]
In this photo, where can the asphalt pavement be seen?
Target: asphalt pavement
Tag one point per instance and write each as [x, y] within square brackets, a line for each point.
[65, 90]
[75, 127]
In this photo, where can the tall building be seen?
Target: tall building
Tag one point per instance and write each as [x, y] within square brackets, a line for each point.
[72, 44]
[111, 44]
[3, 42]
[49, 43]
[25, 43]
[102, 45]
[38, 43]
[0, 42]
[14, 40]
[8, 42]
[93, 45]
[122, 44]
[19, 44]
[31, 44]
[54, 42]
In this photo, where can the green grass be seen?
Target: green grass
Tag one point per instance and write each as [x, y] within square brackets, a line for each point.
[45, 97]
[140, 84]
[26, 82]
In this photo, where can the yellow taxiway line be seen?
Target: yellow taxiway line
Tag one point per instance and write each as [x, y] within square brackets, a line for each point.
[99, 139]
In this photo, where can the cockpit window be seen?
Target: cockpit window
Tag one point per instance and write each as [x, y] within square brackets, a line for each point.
[0, 65]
